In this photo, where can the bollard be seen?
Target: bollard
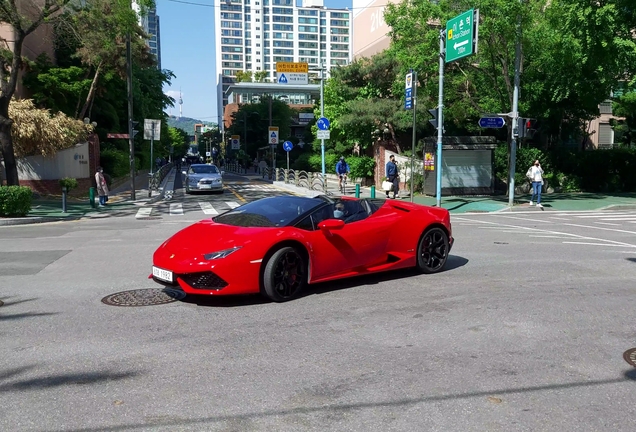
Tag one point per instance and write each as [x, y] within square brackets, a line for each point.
[91, 197]
[357, 190]
[372, 191]
[63, 200]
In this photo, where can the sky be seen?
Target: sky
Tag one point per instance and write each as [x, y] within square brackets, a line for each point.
[188, 50]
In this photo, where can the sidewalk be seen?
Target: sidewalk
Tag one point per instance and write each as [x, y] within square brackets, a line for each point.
[119, 204]
[582, 201]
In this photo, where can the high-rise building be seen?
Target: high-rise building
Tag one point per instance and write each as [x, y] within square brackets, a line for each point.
[252, 35]
[149, 22]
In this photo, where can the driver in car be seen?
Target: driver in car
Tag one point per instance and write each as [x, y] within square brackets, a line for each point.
[339, 211]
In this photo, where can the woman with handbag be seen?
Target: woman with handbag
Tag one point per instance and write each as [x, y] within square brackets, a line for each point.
[102, 186]
[535, 175]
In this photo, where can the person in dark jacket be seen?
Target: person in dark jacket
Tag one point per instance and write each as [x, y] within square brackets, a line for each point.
[392, 176]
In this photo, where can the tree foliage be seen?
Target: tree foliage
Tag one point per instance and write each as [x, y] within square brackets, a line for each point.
[37, 131]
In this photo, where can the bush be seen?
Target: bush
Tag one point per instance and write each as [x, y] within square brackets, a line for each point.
[418, 182]
[15, 200]
[331, 159]
[68, 183]
[115, 162]
[302, 162]
[361, 166]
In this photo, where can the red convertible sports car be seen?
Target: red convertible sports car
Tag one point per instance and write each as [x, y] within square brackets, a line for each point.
[278, 245]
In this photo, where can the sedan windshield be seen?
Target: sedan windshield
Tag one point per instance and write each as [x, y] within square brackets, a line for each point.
[270, 212]
[203, 169]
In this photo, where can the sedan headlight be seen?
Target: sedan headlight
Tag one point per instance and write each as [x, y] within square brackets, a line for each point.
[220, 254]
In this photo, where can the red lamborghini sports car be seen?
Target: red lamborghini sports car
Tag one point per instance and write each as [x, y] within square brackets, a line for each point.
[278, 245]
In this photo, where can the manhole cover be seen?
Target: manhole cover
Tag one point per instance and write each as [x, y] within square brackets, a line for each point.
[143, 297]
[630, 356]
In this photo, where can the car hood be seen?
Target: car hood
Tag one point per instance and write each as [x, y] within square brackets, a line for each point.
[207, 236]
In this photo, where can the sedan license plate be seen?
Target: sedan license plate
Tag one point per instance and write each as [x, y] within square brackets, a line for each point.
[205, 186]
[164, 275]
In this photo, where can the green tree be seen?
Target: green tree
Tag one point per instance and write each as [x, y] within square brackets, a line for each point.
[23, 22]
[179, 141]
[625, 108]
[260, 76]
[244, 76]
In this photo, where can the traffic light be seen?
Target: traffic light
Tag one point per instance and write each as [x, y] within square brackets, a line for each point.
[132, 128]
[527, 127]
[435, 120]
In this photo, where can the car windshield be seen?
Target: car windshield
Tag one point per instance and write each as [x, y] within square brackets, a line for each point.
[204, 169]
[270, 212]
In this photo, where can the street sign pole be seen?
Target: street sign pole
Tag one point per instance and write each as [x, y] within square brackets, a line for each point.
[322, 114]
[131, 141]
[440, 118]
[152, 147]
[414, 87]
[515, 119]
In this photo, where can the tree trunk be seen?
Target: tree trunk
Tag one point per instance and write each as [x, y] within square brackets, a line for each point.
[91, 92]
[6, 142]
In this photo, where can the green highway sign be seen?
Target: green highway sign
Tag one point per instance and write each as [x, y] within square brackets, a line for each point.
[461, 35]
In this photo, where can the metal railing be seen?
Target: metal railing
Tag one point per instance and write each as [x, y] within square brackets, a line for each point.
[300, 178]
[155, 179]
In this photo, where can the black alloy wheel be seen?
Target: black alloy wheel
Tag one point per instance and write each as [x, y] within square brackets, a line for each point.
[285, 274]
[432, 250]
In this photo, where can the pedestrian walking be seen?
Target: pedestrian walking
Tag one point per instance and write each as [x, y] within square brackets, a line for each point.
[535, 175]
[102, 186]
[392, 176]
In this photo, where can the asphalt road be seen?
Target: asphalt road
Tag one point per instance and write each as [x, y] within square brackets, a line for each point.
[524, 331]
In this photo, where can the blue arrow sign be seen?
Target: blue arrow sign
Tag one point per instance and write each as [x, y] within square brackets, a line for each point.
[492, 122]
[288, 145]
[323, 123]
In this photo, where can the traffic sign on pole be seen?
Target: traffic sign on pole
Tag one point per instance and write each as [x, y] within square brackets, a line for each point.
[461, 35]
[323, 134]
[272, 135]
[288, 146]
[408, 87]
[236, 142]
[323, 124]
[492, 122]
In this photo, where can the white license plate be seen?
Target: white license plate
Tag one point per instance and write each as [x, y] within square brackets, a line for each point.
[165, 275]
[205, 186]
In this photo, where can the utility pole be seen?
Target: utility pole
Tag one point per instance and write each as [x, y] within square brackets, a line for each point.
[272, 147]
[414, 86]
[131, 138]
[322, 114]
[515, 118]
[440, 115]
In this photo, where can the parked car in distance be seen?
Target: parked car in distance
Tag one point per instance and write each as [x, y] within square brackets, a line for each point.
[203, 178]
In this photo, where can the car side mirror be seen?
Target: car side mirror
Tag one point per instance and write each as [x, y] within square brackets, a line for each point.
[331, 224]
[184, 172]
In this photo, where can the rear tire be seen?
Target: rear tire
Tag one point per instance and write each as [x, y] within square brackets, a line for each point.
[432, 250]
[285, 275]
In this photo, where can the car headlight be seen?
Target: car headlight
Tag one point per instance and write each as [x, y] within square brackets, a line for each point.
[220, 254]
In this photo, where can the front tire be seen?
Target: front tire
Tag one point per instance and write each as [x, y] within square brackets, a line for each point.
[432, 250]
[285, 275]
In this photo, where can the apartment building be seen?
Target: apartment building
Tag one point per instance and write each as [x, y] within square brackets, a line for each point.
[371, 32]
[149, 22]
[252, 35]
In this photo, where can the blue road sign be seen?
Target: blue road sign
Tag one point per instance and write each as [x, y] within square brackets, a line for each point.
[288, 145]
[492, 122]
[323, 123]
[408, 102]
[282, 79]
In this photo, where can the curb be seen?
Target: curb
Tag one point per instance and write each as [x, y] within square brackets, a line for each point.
[31, 220]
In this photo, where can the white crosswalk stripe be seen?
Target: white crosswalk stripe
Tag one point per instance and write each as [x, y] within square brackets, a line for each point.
[176, 209]
[208, 209]
[143, 212]
[232, 204]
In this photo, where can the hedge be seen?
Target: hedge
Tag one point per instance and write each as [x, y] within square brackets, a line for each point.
[360, 166]
[116, 163]
[611, 170]
[15, 201]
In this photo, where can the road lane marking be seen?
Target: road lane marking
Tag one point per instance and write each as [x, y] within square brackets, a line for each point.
[143, 212]
[237, 195]
[574, 236]
[232, 204]
[598, 244]
[176, 209]
[601, 228]
[608, 223]
[208, 209]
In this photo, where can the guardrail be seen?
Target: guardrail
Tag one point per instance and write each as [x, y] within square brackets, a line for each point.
[157, 177]
[307, 179]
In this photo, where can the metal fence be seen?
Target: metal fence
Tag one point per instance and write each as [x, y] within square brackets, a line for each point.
[157, 177]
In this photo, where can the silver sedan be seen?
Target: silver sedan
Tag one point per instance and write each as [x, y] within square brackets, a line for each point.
[204, 178]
